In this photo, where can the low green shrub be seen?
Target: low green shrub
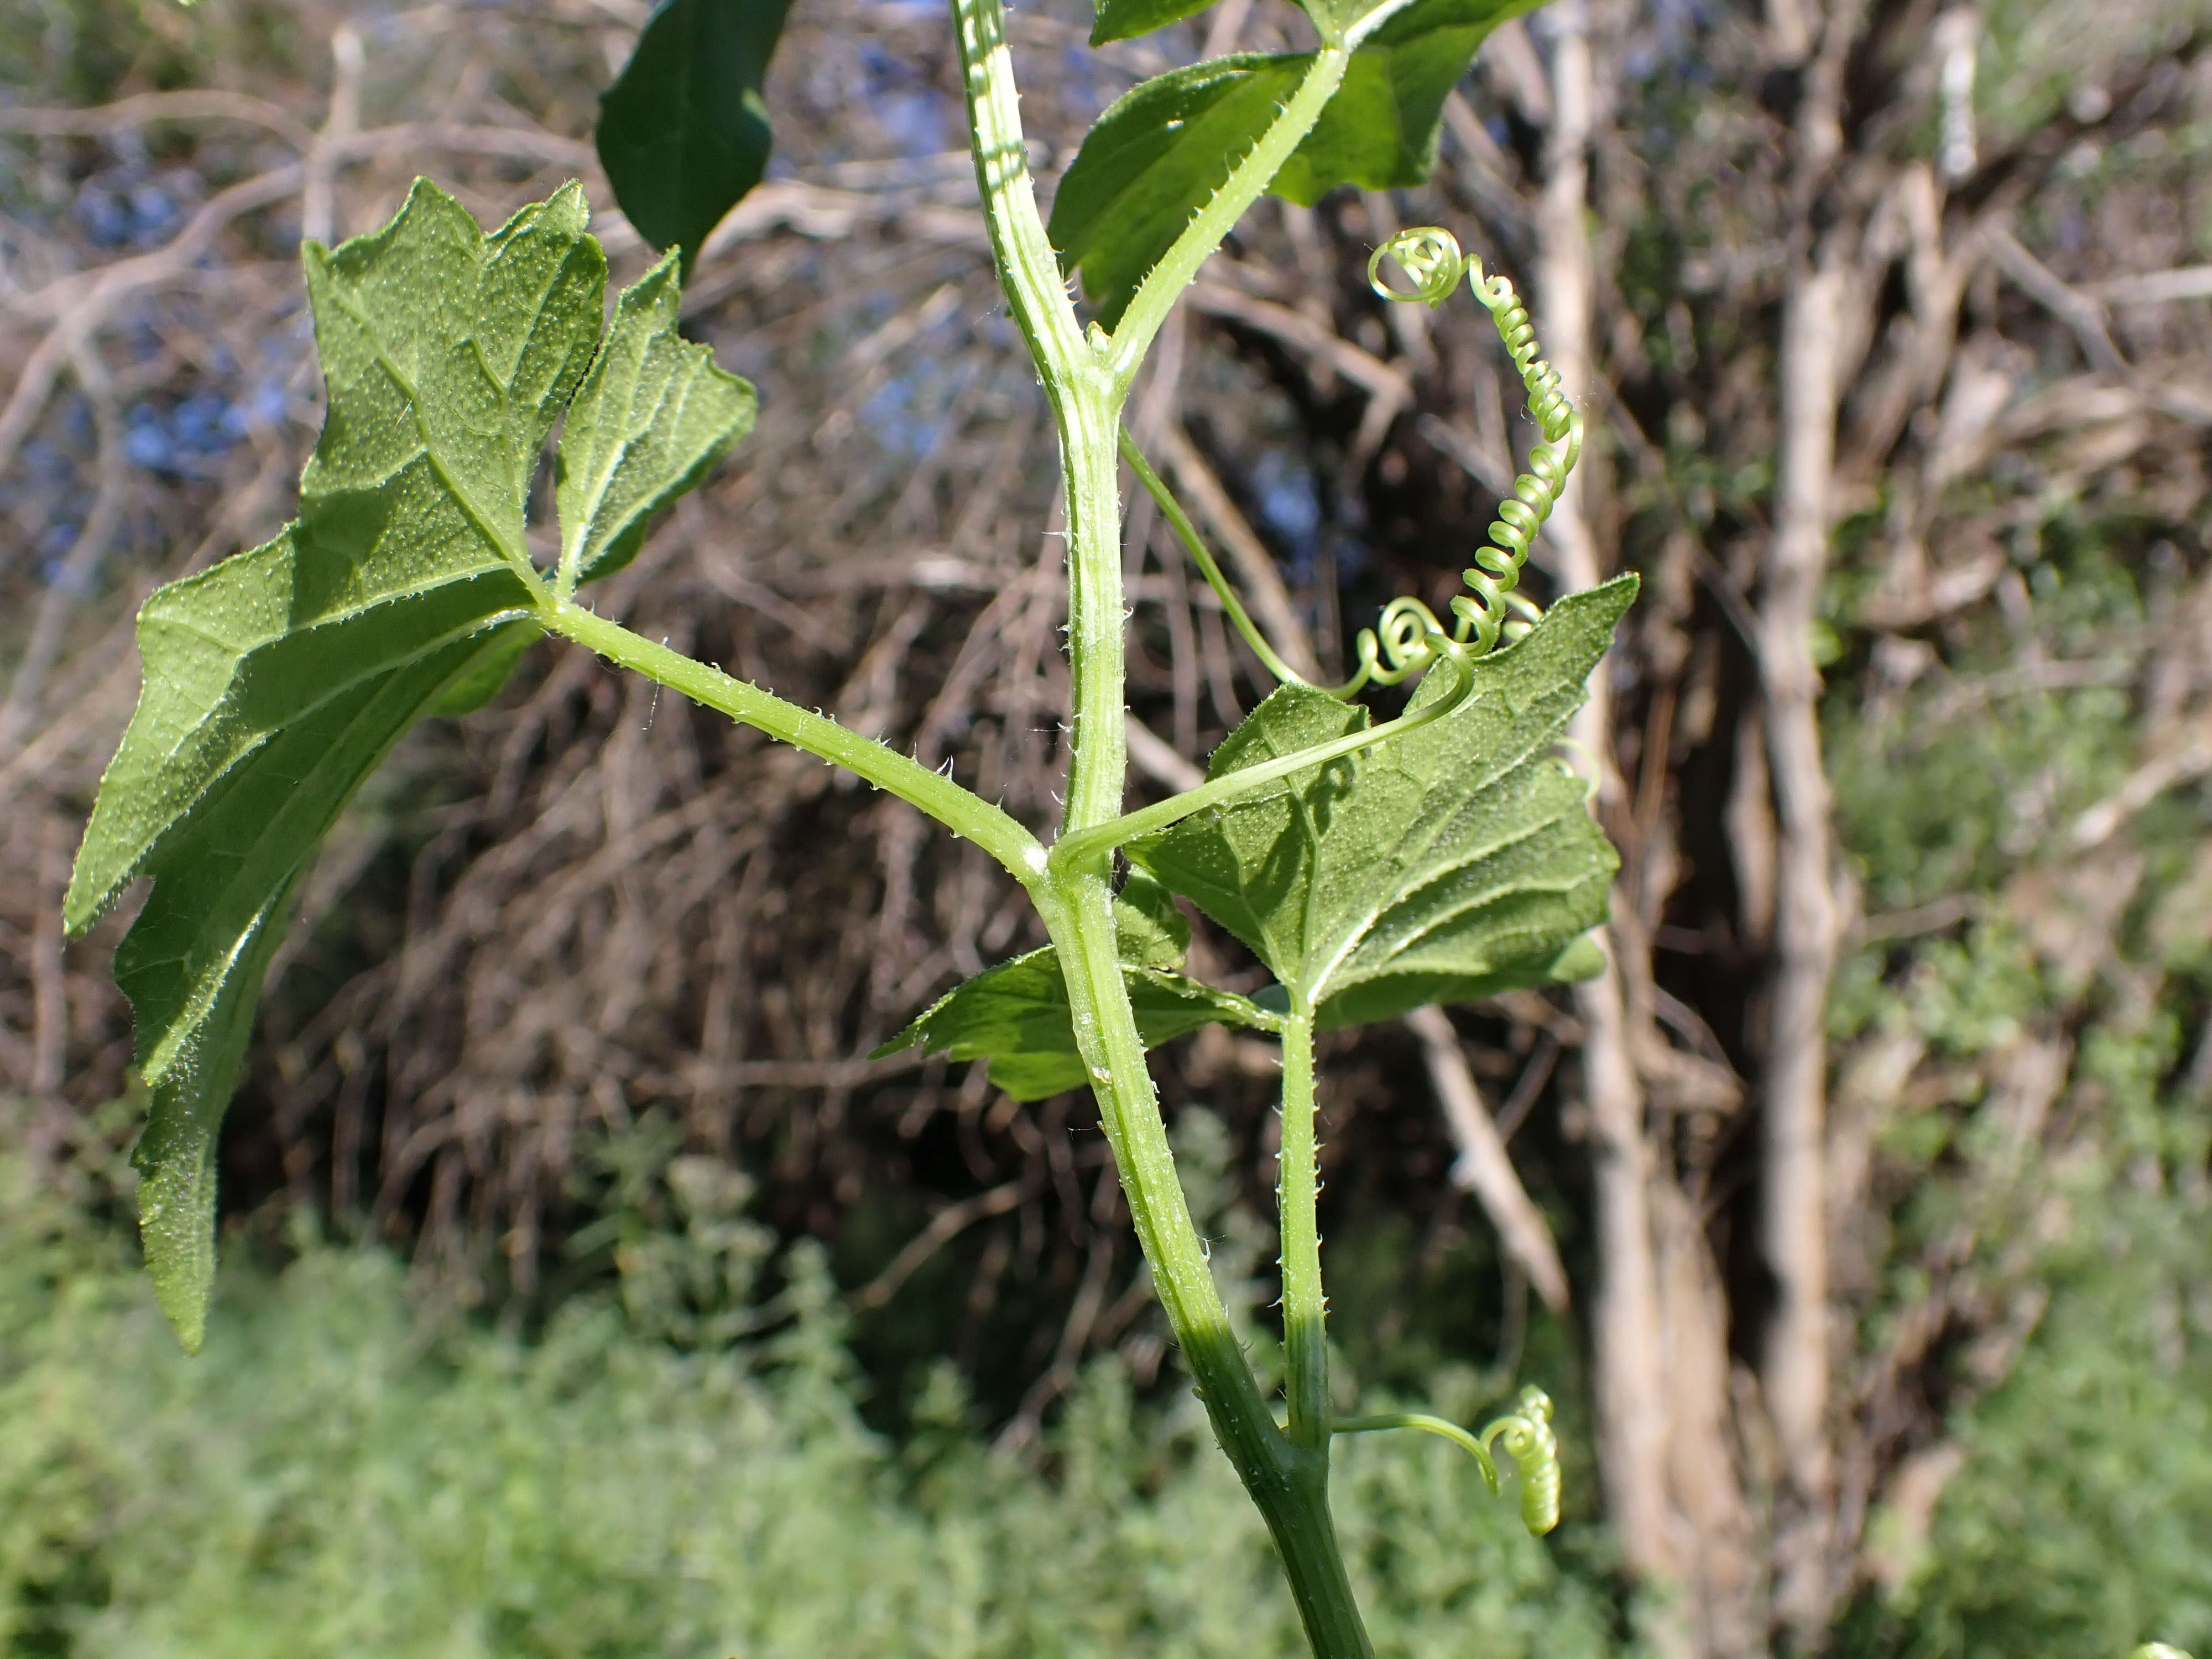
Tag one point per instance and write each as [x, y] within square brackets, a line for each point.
[327, 1480]
[2081, 1519]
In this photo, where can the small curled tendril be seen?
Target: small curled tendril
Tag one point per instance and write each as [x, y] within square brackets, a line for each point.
[1491, 610]
[1526, 1434]
[1429, 255]
[1398, 644]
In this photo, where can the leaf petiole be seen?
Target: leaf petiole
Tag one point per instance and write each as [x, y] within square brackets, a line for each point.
[1071, 851]
[1157, 294]
[1428, 1424]
[961, 810]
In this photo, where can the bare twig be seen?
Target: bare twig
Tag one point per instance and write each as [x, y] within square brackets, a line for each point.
[947, 1225]
[2079, 313]
[79, 572]
[1484, 1167]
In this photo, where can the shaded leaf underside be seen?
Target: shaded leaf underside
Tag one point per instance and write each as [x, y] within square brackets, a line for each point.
[276, 681]
[1160, 152]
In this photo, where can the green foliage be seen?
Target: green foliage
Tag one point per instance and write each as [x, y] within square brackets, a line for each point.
[1944, 801]
[1380, 130]
[326, 1482]
[1158, 152]
[1017, 1014]
[1454, 862]
[1460, 862]
[683, 132]
[1164, 149]
[2054, 1139]
[2078, 1521]
[1449, 863]
[652, 416]
[278, 680]
[1125, 19]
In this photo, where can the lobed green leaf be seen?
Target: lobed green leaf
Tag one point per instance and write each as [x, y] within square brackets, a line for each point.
[1454, 862]
[1017, 1015]
[275, 682]
[683, 132]
[1160, 152]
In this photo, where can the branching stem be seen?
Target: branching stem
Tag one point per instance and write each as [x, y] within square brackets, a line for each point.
[1086, 379]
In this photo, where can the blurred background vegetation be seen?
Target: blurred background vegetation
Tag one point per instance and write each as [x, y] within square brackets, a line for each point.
[585, 1294]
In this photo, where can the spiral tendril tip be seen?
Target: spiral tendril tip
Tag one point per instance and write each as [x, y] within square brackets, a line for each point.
[1399, 644]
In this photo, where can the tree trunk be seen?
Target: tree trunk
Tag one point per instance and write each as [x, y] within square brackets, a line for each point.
[1625, 1318]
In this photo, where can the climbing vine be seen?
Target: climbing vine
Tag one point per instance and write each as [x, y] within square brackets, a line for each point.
[1374, 868]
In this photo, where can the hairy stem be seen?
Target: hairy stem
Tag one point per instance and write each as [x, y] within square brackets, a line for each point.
[961, 810]
[1298, 1188]
[1028, 269]
[1288, 1483]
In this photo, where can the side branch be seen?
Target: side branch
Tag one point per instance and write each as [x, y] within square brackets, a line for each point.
[1155, 296]
[961, 810]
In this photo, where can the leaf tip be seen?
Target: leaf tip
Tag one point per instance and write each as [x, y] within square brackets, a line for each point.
[569, 209]
[1584, 959]
[179, 1251]
[96, 879]
[188, 1319]
[176, 1163]
[83, 902]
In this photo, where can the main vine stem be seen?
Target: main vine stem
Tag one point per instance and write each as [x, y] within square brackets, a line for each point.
[1086, 379]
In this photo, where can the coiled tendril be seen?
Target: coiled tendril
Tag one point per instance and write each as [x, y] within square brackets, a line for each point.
[1407, 639]
[1394, 647]
[1526, 1434]
[1427, 253]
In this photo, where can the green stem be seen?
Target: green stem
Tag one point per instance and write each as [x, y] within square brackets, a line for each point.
[1085, 406]
[962, 810]
[1073, 850]
[1297, 1188]
[1086, 379]
[1029, 271]
[1428, 1424]
[1097, 752]
[1288, 1481]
